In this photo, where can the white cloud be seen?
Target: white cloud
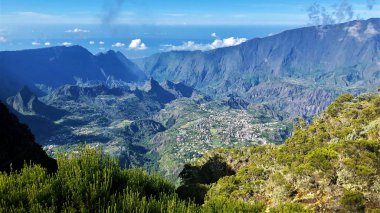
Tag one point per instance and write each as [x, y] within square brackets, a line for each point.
[47, 43]
[227, 42]
[358, 32]
[189, 45]
[3, 39]
[101, 42]
[35, 43]
[91, 42]
[77, 30]
[353, 30]
[137, 44]
[371, 31]
[214, 35]
[66, 43]
[217, 43]
[118, 44]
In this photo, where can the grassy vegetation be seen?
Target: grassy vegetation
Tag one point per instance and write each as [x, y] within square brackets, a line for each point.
[91, 182]
[332, 164]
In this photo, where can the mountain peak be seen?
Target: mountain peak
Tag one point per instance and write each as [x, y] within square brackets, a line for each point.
[154, 83]
[236, 102]
[74, 49]
[109, 52]
[27, 103]
[25, 93]
[157, 92]
[60, 65]
[178, 89]
[24, 101]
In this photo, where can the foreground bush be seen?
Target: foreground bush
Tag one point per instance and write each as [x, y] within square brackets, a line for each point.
[91, 182]
[88, 182]
[331, 165]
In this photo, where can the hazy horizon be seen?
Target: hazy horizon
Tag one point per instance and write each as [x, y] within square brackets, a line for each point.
[142, 28]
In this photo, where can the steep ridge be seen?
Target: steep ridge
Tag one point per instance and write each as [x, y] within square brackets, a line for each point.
[27, 103]
[17, 145]
[76, 92]
[158, 93]
[178, 89]
[57, 66]
[299, 71]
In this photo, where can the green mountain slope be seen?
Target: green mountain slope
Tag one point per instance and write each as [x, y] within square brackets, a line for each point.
[299, 71]
[332, 164]
[158, 127]
[197, 125]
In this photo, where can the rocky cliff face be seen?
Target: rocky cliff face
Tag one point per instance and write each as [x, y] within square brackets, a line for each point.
[178, 89]
[75, 92]
[304, 68]
[27, 103]
[17, 145]
[158, 93]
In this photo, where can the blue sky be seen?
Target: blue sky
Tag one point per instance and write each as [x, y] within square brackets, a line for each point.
[142, 27]
[167, 12]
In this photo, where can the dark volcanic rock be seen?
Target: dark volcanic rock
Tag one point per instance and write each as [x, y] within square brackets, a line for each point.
[25, 102]
[236, 102]
[17, 145]
[158, 93]
[178, 89]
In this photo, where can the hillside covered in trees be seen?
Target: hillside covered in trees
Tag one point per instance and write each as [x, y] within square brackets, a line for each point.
[330, 165]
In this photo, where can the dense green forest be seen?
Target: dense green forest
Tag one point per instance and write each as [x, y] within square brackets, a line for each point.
[332, 164]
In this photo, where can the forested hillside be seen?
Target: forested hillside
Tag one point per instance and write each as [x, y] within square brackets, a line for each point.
[332, 164]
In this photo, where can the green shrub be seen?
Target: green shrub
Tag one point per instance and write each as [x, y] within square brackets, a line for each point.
[353, 201]
[289, 208]
[344, 98]
[321, 158]
[224, 205]
[88, 182]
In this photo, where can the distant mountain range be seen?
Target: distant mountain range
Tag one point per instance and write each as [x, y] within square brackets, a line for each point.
[56, 66]
[298, 71]
[174, 106]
